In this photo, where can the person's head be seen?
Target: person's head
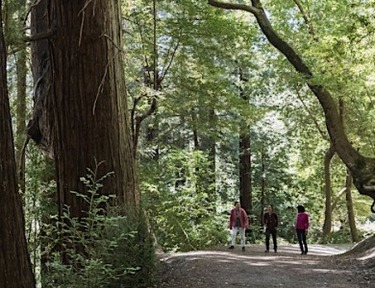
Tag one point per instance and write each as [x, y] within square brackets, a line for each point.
[237, 204]
[300, 209]
[270, 208]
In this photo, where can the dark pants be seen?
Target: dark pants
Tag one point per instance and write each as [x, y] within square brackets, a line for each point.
[301, 235]
[272, 232]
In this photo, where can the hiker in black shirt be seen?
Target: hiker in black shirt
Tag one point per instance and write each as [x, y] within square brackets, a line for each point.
[270, 222]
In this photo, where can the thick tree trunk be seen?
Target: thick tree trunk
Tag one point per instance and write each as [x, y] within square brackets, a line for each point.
[80, 114]
[361, 167]
[15, 266]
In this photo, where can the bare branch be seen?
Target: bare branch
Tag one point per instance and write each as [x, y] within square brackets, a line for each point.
[39, 36]
[169, 62]
[231, 6]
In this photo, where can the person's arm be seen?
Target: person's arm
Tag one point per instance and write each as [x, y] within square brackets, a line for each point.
[245, 219]
[296, 223]
[307, 222]
[230, 219]
[276, 220]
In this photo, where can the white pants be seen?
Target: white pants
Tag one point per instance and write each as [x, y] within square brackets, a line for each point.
[235, 230]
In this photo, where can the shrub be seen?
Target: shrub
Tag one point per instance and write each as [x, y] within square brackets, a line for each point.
[110, 248]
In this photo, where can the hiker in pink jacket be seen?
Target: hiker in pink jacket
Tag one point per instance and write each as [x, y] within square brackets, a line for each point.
[238, 222]
[302, 226]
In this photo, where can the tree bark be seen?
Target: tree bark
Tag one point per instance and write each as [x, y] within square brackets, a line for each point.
[327, 226]
[245, 155]
[361, 167]
[21, 100]
[15, 265]
[207, 180]
[245, 173]
[262, 188]
[350, 208]
[80, 115]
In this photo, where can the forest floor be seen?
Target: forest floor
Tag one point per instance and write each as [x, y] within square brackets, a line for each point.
[323, 266]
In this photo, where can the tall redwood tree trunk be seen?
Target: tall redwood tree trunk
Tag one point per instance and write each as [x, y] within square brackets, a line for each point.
[80, 114]
[15, 266]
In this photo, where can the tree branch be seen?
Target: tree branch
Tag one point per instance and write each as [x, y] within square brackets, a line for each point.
[39, 36]
[361, 167]
[231, 6]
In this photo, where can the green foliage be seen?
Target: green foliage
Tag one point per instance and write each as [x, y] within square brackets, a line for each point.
[38, 200]
[200, 52]
[182, 217]
[342, 236]
[106, 248]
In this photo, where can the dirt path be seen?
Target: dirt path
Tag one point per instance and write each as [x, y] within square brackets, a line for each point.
[223, 268]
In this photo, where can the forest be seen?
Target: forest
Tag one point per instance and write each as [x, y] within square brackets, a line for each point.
[132, 126]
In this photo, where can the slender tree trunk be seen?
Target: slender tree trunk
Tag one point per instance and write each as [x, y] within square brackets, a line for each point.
[327, 226]
[15, 265]
[245, 172]
[151, 79]
[195, 130]
[245, 154]
[21, 101]
[262, 188]
[350, 208]
[207, 180]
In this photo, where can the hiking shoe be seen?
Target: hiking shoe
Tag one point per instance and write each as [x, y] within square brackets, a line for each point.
[243, 248]
[231, 247]
[275, 250]
[267, 251]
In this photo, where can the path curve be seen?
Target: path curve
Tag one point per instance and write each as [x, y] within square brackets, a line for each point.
[223, 268]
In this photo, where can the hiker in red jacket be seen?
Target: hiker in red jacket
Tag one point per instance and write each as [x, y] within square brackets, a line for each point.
[238, 222]
[302, 226]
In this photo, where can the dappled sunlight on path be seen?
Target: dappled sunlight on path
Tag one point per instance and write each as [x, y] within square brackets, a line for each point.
[254, 268]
